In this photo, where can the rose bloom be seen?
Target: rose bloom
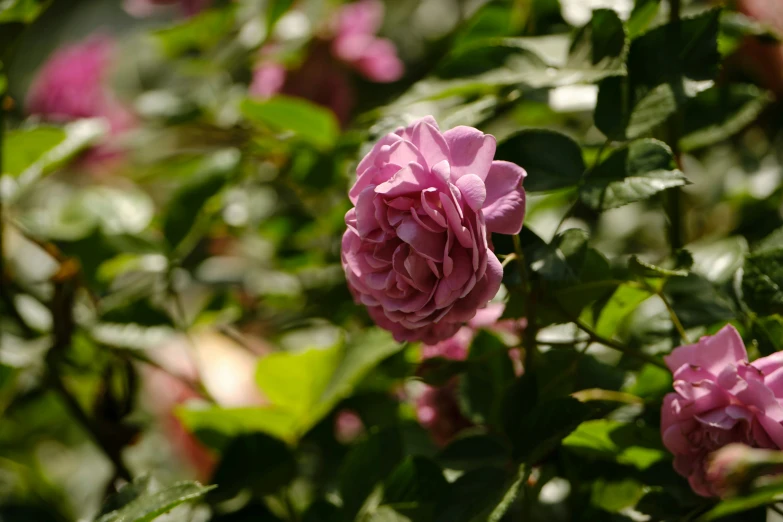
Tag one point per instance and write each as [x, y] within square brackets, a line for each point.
[735, 467]
[417, 250]
[720, 398]
[764, 59]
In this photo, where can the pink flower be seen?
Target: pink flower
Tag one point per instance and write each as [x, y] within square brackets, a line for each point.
[719, 398]
[348, 426]
[72, 85]
[356, 42]
[268, 80]
[736, 466]
[145, 8]
[416, 251]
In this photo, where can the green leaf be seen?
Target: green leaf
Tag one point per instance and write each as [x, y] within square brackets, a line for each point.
[643, 14]
[215, 425]
[473, 451]
[720, 112]
[274, 466]
[79, 135]
[619, 307]
[621, 117]
[483, 385]
[562, 166]
[473, 496]
[760, 497]
[615, 496]
[140, 504]
[718, 261]
[198, 33]
[620, 442]
[304, 120]
[415, 488]
[25, 11]
[768, 332]
[672, 51]
[762, 282]
[633, 173]
[546, 425]
[184, 207]
[23, 147]
[648, 270]
[308, 384]
[366, 465]
[599, 48]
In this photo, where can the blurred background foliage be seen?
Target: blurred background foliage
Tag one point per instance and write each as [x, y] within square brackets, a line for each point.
[173, 304]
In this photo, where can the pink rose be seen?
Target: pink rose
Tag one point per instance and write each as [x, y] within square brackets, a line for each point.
[356, 43]
[720, 398]
[735, 467]
[416, 251]
[72, 85]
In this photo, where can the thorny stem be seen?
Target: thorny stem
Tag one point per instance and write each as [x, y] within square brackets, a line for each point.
[674, 318]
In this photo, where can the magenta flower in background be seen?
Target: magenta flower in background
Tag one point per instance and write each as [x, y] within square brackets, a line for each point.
[356, 43]
[437, 410]
[72, 85]
[720, 398]
[416, 250]
[348, 426]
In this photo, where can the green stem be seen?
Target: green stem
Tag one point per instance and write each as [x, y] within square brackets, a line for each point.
[610, 343]
[674, 196]
[529, 337]
[675, 320]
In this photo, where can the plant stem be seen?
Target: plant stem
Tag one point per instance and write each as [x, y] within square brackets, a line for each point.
[674, 196]
[529, 337]
[675, 320]
[610, 343]
[6, 297]
[63, 327]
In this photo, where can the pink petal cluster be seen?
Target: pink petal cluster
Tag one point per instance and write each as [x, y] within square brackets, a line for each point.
[720, 398]
[417, 250]
[145, 8]
[356, 43]
[72, 85]
[765, 59]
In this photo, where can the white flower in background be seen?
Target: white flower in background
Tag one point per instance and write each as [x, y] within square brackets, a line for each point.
[578, 12]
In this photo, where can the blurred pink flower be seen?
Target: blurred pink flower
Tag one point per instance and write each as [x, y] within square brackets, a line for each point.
[356, 43]
[735, 467]
[437, 410]
[72, 85]
[348, 426]
[416, 250]
[321, 78]
[145, 8]
[719, 398]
